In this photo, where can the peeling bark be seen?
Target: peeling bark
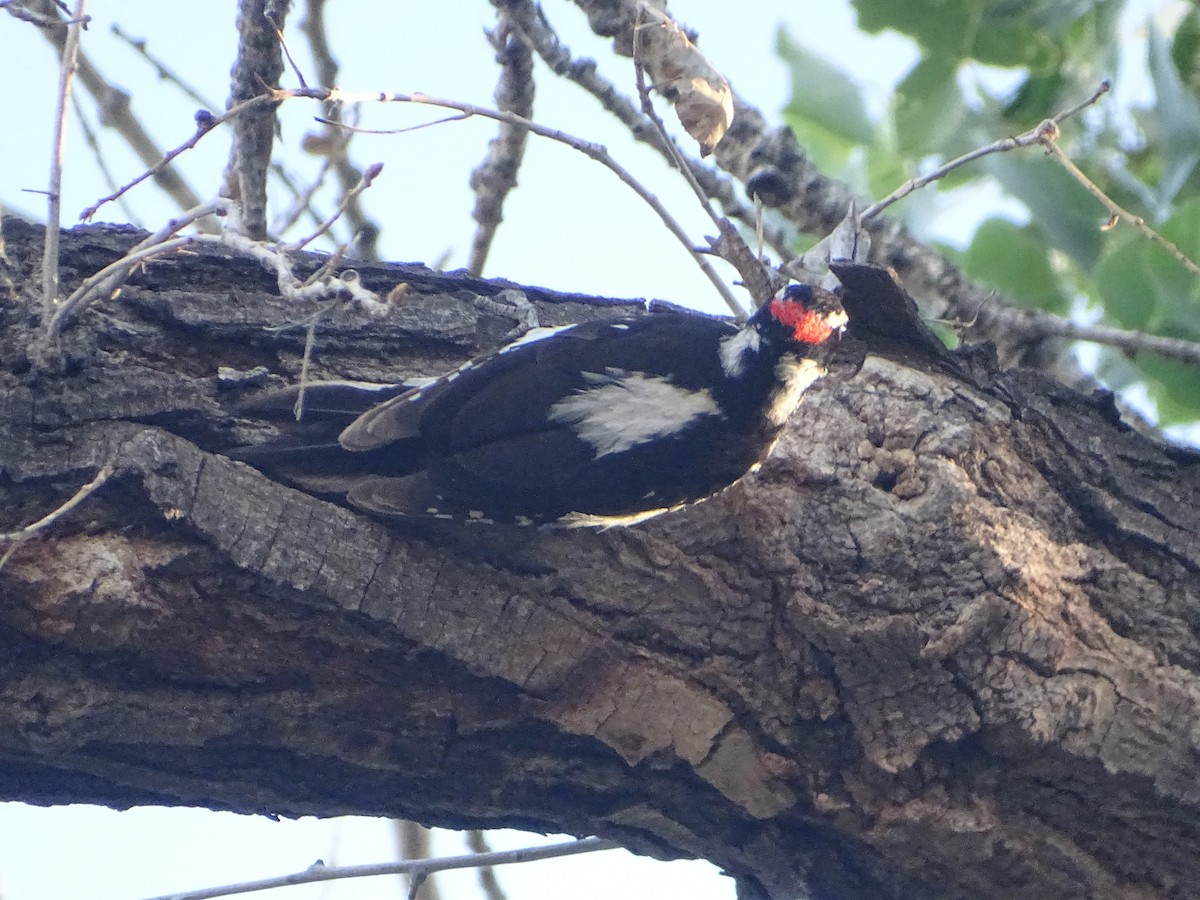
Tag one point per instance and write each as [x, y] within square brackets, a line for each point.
[944, 644]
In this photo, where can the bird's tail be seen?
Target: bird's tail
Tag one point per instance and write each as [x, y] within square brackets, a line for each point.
[305, 451]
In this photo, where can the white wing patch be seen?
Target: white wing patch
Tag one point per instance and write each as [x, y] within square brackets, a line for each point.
[625, 409]
[794, 376]
[734, 350]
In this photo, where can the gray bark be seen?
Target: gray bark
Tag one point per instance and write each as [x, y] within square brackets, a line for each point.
[942, 645]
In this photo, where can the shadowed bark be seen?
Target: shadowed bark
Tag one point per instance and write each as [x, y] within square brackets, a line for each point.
[942, 645]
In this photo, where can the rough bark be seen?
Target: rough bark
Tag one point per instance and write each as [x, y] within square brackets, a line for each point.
[942, 645]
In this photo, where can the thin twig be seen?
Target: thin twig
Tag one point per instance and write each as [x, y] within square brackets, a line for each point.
[23, 534]
[314, 29]
[417, 868]
[1049, 140]
[112, 276]
[1034, 325]
[1004, 145]
[597, 152]
[477, 842]
[302, 204]
[204, 124]
[54, 211]
[164, 72]
[93, 142]
[729, 244]
[288, 53]
[368, 176]
[115, 111]
[529, 20]
[674, 154]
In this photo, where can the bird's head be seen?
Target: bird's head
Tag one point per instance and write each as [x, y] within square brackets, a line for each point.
[808, 314]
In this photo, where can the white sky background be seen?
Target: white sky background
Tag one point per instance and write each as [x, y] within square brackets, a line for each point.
[564, 228]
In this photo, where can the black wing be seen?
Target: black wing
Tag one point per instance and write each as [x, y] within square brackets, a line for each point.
[600, 419]
[504, 439]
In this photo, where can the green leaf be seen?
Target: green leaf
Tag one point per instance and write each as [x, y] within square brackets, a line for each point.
[823, 96]
[1010, 44]
[1122, 284]
[929, 107]
[1145, 288]
[1178, 289]
[1014, 260]
[1173, 386]
[946, 334]
[940, 26]
[1037, 98]
[1059, 205]
[1178, 114]
[885, 171]
[1185, 49]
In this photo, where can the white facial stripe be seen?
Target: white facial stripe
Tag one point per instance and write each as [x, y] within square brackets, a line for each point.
[794, 377]
[734, 350]
[630, 410]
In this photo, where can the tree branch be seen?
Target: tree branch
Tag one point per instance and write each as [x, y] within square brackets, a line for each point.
[940, 645]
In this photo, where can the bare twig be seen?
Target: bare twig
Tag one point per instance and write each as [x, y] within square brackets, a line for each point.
[530, 22]
[496, 176]
[23, 534]
[115, 112]
[674, 154]
[323, 277]
[594, 151]
[1049, 140]
[204, 124]
[54, 210]
[288, 53]
[337, 142]
[368, 176]
[1033, 325]
[112, 276]
[302, 198]
[164, 72]
[413, 868]
[1029, 138]
[728, 244]
[488, 883]
[93, 142]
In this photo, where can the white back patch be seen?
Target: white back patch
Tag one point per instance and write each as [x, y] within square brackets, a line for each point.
[631, 408]
[734, 350]
[794, 377]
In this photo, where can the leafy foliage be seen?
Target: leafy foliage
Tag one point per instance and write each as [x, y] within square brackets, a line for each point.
[1046, 55]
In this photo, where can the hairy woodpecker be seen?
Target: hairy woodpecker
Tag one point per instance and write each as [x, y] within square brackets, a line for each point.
[592, 424]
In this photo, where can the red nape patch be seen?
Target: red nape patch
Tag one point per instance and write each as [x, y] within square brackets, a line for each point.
[807, 327]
